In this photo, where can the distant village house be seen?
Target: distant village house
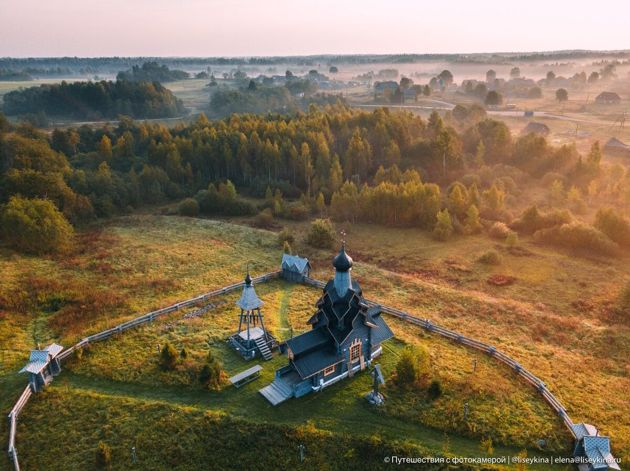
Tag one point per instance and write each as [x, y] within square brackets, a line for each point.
[608, 98]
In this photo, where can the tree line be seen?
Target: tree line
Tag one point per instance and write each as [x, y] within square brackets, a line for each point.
[152, 72]
[393, 168]
[95, 100]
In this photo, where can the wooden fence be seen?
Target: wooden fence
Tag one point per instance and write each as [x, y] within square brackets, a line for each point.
[424, 323]
[148, 317]
[13, 417]
[489, 349]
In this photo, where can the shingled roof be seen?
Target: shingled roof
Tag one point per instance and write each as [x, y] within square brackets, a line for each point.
[249, 299]
[40, 358]
[307, 341]
[597, 450]
[294, 263]
[594, 447]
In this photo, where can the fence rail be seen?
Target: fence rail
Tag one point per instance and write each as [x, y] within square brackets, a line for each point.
[536, 382]
[105, 334]
[405, 316]
[13, 417]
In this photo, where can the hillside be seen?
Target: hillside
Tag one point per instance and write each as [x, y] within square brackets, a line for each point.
[138, 263]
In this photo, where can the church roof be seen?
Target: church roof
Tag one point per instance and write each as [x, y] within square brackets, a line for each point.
[337, 317]
[249, 299]
[381, 332]
[310, 363]
[342, 262]
[343, 266]
[294, 263]
[307, 341]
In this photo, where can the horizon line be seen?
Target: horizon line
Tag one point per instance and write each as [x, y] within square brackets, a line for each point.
[332, 54]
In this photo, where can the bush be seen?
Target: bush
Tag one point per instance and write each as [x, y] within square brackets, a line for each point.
[499, 230]
[578, 237]
[103, 455]
[532, 220]
[491, 257]
[321, 234]
[285, 235]
[211, 374]
[444, 227]
[614, 225]
[435, 389]
[413, 365]
[223, 200]
[189, 207]
[286, 248]
[264, 219]
[35, 226]
[297, 212]
[168, 357]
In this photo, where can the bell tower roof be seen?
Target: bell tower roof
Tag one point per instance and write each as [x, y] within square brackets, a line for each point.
[249, 299]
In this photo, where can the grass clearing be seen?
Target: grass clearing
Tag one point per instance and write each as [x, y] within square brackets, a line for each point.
[151, 261]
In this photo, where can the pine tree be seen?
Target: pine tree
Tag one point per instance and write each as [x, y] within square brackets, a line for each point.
[105, 148]
[557, 191]
[473, 195]
[494, 199]
[472, 224]
[594, 157]
[320, 204]
[444, 227]
[336, 174]
[480, 154]
[458, 200]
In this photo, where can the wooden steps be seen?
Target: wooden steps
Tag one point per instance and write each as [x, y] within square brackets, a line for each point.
[265, 352]
[277, 392]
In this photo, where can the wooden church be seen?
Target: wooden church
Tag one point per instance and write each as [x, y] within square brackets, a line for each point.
[346, 336]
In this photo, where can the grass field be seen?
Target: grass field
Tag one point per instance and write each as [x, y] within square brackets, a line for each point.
[134, 264]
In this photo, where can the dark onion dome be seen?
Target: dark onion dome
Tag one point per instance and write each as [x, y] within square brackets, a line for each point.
[342, 262]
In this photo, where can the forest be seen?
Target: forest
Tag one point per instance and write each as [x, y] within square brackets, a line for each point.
[95, 100]
[152, 72]
[14, 75]
[297, 94]
[446, 175]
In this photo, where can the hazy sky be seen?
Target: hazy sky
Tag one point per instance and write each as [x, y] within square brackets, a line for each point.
[290, 27]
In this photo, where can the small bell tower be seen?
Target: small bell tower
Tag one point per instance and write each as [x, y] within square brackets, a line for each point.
[252, 338]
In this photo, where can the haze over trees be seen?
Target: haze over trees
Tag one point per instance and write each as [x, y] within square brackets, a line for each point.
[95, 100]
[380, 167]
[562, 95]
[152, 72]
[297, 94]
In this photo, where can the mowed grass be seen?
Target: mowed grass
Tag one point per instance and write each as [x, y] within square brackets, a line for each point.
[500, 405]
[135, 264]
